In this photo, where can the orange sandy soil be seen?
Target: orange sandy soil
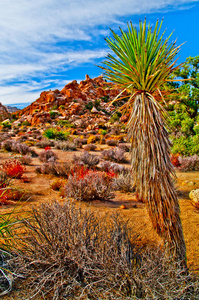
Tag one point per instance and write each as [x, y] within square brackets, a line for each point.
[39, 191]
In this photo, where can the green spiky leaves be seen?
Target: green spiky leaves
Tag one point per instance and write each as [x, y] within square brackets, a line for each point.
[143, 59]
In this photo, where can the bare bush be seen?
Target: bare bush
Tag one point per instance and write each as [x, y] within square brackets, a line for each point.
[25, 159]
[91, 186]
[61, 169]
[7, 145]
[68, 253]
[190, 163]
[124, 147]
[114, 154]
[124, 182]
[45, 143]
[47, 155]
[90, 147]
[66, 146]
[13, 146]
[87, 159]
[3, 137]
[108, 166]
[112, 142]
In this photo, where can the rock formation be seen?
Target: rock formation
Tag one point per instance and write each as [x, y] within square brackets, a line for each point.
[4, 113]
[74, 99]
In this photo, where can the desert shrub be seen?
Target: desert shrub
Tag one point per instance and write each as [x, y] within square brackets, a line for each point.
[54, 168]
[175, 160]
[13, 168]
[21, 148]
[125, 147]
[112, 142]
[7, 145]
[8, 224]
[190, 163]
[66, 123]
[4, 137]
[70, 253]
[3, 179]
[89, 105]
[114, 154]
[91, 139]
[62, 169]
[45, 155]
[15, 194]
[53, 114]
[25, 159]
[13, 146]
[6, 124]
[25, 123]
[108, 166]
[87, 159]
[102, 131]
[105, 98]
[124, 182]
[66, 146]
[57, 184]
[45, 143]
[55, 134]
[90, 186]
[90, 147]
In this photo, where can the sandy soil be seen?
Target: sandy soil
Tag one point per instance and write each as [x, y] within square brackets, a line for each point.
[39, 191]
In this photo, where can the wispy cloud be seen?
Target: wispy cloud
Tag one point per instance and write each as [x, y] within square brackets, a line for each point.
[38, 37]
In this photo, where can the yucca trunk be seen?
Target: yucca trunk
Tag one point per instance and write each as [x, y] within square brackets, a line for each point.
[153, 172]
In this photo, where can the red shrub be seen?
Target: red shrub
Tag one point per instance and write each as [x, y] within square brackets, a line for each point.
[79, 171]
[89, 185]
[13, 168]
[175, 160]
[47, 148]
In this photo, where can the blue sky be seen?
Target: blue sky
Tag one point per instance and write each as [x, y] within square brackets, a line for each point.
[44, 44]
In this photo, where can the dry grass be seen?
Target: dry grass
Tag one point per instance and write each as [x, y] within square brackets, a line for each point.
[70, 253]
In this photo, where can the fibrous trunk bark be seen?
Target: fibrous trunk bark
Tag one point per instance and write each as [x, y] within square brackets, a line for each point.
[153, 172]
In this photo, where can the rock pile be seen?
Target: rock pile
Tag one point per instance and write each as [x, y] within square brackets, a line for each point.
[78, 102]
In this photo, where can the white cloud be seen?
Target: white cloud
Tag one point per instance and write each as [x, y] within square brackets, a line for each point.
[30, 31]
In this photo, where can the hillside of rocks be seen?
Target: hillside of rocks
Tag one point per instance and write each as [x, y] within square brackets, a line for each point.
[83, 102]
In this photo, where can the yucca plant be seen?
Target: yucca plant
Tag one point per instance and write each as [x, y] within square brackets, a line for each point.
[143, 60]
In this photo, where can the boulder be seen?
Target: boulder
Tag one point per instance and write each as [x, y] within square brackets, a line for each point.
[194, 196]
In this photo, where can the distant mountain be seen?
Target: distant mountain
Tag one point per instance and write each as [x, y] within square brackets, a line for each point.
[18, 105]
[11, 109]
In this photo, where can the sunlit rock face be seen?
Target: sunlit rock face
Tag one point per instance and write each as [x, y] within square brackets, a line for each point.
[72, 100]
[4, 114]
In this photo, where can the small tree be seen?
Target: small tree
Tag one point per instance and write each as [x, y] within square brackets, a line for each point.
[143, 62]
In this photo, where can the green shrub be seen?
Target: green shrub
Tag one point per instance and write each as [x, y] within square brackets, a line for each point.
[116, 116]
[186, 146]
[6, 124]
[105, 98]
[89, 105]
[97, 104]
[65, 123]
[55, 134]
[53, 114]
[26, 123]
